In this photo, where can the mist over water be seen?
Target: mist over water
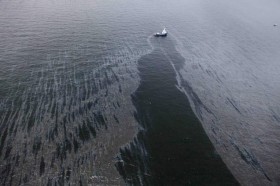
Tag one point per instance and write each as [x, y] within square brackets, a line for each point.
[69, 68]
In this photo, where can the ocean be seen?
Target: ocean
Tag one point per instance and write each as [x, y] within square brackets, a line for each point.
[89, 97]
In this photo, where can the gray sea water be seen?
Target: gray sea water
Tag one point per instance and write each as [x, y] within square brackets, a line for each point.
[68, 69]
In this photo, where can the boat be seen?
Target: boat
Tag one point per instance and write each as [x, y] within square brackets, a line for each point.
[162, 34]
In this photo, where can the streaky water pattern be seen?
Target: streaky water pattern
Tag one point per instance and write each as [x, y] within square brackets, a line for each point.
[65, 95]
[68, 69]
[233, 68]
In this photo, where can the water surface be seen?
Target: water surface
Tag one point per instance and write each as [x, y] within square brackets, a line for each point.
[69, 68]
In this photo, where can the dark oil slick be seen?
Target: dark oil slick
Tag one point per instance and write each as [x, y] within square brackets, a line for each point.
[68, 70]
[172, 147]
